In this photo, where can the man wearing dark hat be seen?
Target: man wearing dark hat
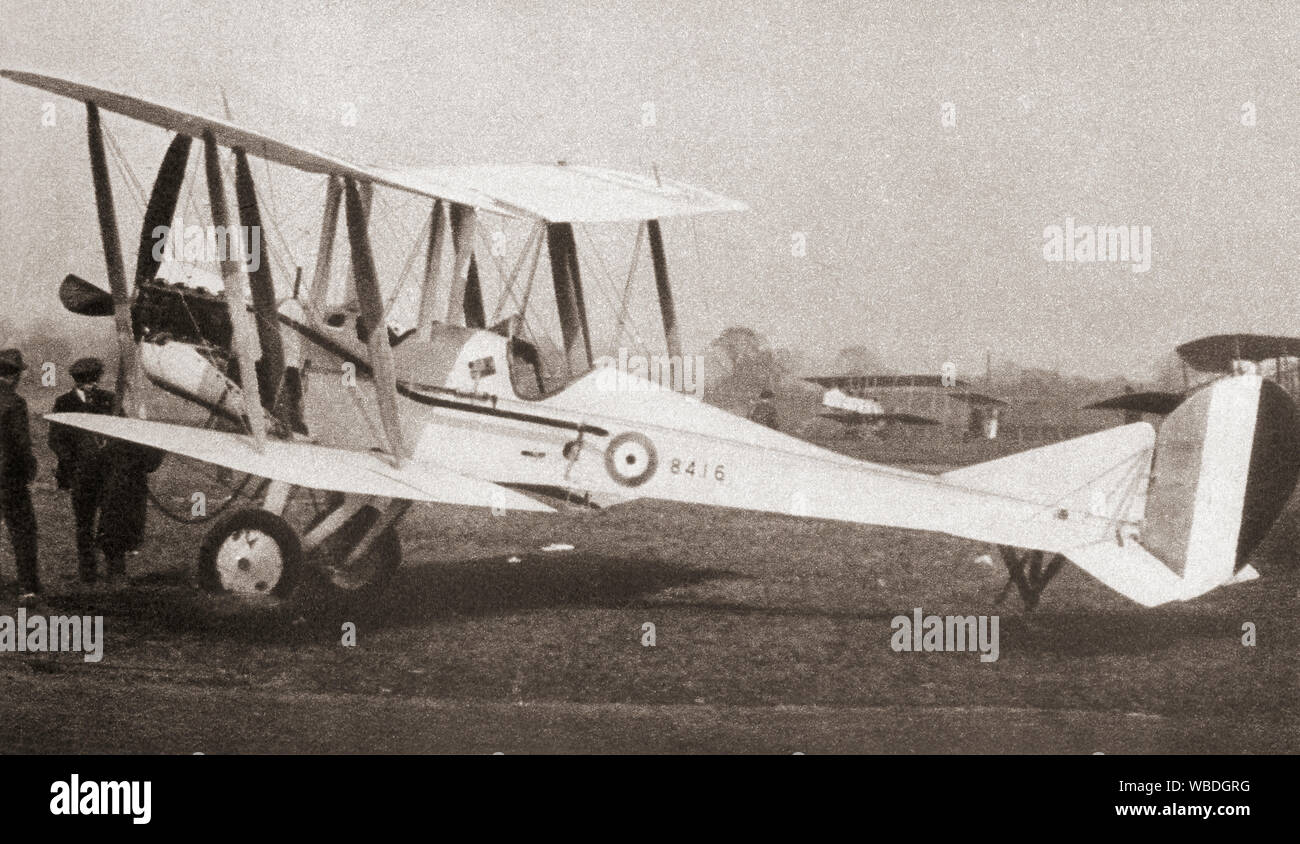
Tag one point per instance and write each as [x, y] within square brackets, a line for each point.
[17, 470]
[83, 467]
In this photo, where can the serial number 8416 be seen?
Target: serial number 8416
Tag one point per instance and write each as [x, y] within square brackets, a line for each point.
[682, 467]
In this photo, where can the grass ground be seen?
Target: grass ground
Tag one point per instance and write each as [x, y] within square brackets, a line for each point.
[772, 634]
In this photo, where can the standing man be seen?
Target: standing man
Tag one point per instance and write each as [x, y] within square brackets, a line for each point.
[125, 505]
[1131, 415]
[17, 470]
[764, 412]
[82, 467]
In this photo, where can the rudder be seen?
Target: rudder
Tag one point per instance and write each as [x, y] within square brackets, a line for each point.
[1226, 461]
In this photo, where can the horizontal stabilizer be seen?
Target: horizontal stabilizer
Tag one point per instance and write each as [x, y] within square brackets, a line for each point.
[307, 465]
[1103, 474]
[1135, 573]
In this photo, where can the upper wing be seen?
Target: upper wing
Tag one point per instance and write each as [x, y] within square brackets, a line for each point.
[864, 382]
[229, 135]
[304, 464]
[850, 417]
[1216, 354]
[554, 192]
[567, 193]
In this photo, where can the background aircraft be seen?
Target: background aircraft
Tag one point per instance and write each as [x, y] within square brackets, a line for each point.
[1220, 354]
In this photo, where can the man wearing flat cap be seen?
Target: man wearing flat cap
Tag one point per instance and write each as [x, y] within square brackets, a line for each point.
[83, 467]
[17, 470]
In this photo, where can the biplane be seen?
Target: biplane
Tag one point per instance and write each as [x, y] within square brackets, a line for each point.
[858, 402]
[458, 408]
[1218, 355]
[847, 402]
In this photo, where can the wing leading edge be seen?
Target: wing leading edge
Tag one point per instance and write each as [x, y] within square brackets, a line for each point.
[308, 465]
[554, 192]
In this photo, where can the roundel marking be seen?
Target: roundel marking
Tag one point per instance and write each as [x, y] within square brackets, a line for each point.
[630, 459]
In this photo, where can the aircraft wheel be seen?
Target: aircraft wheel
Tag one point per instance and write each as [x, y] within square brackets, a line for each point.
[249, 553]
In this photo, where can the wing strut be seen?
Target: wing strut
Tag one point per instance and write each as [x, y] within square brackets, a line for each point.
[568, 298]
[126, 365]
[318, 295]
[666, 307]
[432, 268]
[366, 192]
[260, 284]
[474, 315]
[232, 277]
[575, 276]
[465, 302]
[366, 281]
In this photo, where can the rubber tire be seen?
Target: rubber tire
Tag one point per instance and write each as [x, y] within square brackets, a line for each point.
[280, 531]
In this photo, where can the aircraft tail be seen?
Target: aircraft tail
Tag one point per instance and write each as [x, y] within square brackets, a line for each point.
[1165, 523]
[1226, 462]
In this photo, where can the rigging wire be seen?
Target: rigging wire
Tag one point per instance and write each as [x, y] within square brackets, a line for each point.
[508, 283]
[400, 286]
[509, 288]
[610, 292]
[547, 335]
[627, 288]
[124, 167]
[273, 208]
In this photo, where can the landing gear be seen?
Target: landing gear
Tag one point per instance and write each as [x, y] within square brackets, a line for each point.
[358, 576]
[348, 549]
[250, 553]
[1028, 574]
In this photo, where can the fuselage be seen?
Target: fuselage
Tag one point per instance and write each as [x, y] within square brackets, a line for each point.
[603, 437]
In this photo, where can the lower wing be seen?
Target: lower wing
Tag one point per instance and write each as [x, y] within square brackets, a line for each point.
[307, 465]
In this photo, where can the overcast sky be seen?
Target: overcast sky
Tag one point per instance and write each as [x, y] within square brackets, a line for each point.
[923, 240]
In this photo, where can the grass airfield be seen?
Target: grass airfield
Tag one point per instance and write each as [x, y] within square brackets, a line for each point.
[771, 635]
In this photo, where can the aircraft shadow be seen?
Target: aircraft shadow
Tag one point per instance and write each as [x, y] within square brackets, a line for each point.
[492, 585]
[168, 602]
